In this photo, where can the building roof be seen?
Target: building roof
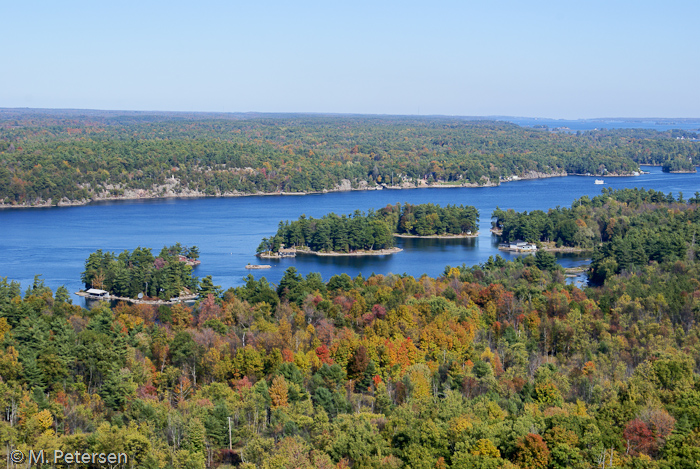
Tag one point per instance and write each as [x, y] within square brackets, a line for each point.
[96, 291]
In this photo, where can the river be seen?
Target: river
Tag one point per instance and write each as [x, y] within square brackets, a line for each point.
[55, 242]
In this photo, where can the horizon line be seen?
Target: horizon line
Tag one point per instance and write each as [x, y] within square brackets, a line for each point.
[355, 114]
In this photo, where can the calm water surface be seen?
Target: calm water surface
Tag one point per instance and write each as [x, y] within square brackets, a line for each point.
[55, 242]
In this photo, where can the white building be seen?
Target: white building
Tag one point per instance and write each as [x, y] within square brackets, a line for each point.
[520, 245]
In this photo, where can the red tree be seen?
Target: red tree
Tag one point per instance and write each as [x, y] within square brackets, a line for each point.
[324, 355]
[532, 452]
[638, 438]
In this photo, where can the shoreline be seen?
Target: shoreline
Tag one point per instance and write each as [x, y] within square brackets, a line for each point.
[607, 175]
[573, 272]
[150, 195]
[551, 247]
[547, 247]
[459, 236]
[137, 301]
[566, 249]
[378, 252]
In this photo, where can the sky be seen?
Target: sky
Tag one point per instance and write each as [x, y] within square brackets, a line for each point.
[563, 59]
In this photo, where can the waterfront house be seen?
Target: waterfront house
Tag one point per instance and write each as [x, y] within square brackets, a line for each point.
[97, 292]
[518, 245]
[287, 252]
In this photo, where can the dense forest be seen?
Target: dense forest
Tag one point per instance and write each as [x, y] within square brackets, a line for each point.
[617, 221]
[679, 164]
[164, 276]
[499, 365]
[646, 146]
[74, 157]
[431, 220]
[371, 231]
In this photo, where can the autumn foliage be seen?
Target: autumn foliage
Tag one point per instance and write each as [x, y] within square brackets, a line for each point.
[497, 365]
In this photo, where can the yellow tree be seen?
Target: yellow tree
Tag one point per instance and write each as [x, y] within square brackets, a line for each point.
[279, 391]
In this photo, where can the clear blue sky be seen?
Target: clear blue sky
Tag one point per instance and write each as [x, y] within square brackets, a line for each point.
[558, 59]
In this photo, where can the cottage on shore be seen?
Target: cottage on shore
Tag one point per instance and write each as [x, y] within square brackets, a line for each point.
[97, 293]
[518, 245]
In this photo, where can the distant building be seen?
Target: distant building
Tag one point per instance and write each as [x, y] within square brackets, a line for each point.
[518, 245]
[97, 292]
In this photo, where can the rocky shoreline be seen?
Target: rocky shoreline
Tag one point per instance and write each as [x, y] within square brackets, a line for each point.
[138, 301]
[166, 191]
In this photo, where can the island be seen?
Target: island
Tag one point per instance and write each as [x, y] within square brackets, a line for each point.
[301, 250]
[368, 234]
[140, 277]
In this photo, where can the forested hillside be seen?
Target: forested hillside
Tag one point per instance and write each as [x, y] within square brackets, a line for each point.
[496, 365]
[647, 146]
[74, 157]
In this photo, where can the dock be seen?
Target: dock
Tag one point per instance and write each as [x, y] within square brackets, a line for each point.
[108, 297]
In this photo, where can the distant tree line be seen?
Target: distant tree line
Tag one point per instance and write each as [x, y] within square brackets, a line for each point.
[49, 157]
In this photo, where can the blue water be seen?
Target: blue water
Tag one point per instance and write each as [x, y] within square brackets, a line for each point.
[55, 242]
[661, 125]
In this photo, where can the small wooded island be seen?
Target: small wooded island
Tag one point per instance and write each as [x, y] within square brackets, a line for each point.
[140, 277]
[368, 234]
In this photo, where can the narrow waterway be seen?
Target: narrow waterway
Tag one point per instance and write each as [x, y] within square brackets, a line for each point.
[55, 242]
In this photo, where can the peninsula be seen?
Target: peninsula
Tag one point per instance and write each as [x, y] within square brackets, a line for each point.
[586, 225]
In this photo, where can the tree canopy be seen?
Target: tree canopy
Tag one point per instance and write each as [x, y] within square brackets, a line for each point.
[373, 230]
[501, 364]
[54, 157]
[165, 276]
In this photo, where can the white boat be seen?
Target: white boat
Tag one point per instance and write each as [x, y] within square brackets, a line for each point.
[599, 181]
